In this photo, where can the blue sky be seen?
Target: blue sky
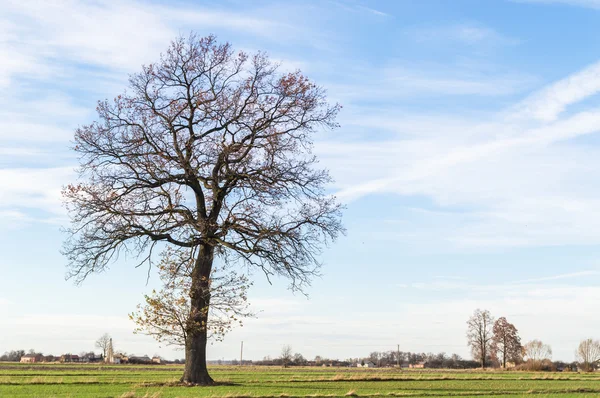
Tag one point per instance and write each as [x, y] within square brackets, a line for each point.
[468, 158]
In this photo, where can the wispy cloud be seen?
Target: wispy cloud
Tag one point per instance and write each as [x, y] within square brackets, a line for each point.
[79, 31]
[394, 83]
[571, 275]
[518, 169]
[53, 55]
[520, 287]
[373, 11]
[579, 3]
[359, 8]
[470, 34]
[547, 104]
[38, 189]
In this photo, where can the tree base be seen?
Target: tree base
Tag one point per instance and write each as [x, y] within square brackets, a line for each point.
[203, 380]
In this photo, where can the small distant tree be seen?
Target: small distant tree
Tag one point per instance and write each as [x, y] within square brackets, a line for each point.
[299, 360]
[286, 355]
[480, 335]
[588, 354]
[506, 344]
[15, 356]
[102, 343]
[375, 357]
[535, 353]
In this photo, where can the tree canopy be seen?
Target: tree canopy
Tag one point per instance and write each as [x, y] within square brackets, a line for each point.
[210, 151]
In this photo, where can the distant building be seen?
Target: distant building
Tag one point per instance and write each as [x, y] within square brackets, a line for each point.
[368, 364]
[66, 358]
[91, 358]
[119, 358]
[418, 365]
[31, 358]
[156, 360]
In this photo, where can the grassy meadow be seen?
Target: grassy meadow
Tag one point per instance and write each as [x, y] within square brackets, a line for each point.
[58, 380]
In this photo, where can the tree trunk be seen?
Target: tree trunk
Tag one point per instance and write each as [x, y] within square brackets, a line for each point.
[483, 354]
[196, 371]
[504, 350]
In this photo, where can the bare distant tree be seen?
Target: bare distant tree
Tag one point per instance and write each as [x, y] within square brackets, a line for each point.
[299, 359]
[102, 343]
[209, 151]
[535, 352]
[480, 335]
[506, 343]
[588, 353]
[286, 355]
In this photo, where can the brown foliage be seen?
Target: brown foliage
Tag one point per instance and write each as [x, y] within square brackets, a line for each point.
[165, 313]
[506, 344]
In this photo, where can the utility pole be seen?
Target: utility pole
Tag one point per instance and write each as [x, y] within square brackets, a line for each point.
[398, 356]
[242, 354]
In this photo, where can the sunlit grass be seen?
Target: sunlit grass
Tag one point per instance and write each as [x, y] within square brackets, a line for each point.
[69, 380]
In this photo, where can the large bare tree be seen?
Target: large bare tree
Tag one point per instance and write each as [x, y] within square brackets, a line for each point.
[480, 335]
[506, 343]
[209, 150]
[588, 353]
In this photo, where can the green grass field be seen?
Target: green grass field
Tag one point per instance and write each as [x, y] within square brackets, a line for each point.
[56, 380]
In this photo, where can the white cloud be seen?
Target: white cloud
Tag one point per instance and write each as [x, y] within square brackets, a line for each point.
[115, 35]
[68, 320]
[357, 8]
[579, 3]
[34, 189]
[547, 104]
[51, 51]
[48, 118]
[395, 83]
[569, 275]
[518, 173]
[469, 34]
[373, 11]
[120, 35]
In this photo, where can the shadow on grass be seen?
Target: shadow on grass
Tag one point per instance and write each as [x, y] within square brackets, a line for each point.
[182, 384]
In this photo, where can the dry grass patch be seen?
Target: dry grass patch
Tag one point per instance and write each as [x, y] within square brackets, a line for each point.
[132, 394]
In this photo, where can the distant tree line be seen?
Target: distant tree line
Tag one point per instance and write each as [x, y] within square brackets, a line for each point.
[12, 356]
[496, 343]
[430, 360]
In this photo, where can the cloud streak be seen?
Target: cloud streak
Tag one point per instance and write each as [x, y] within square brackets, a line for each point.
[579, 3]
[520, 171]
